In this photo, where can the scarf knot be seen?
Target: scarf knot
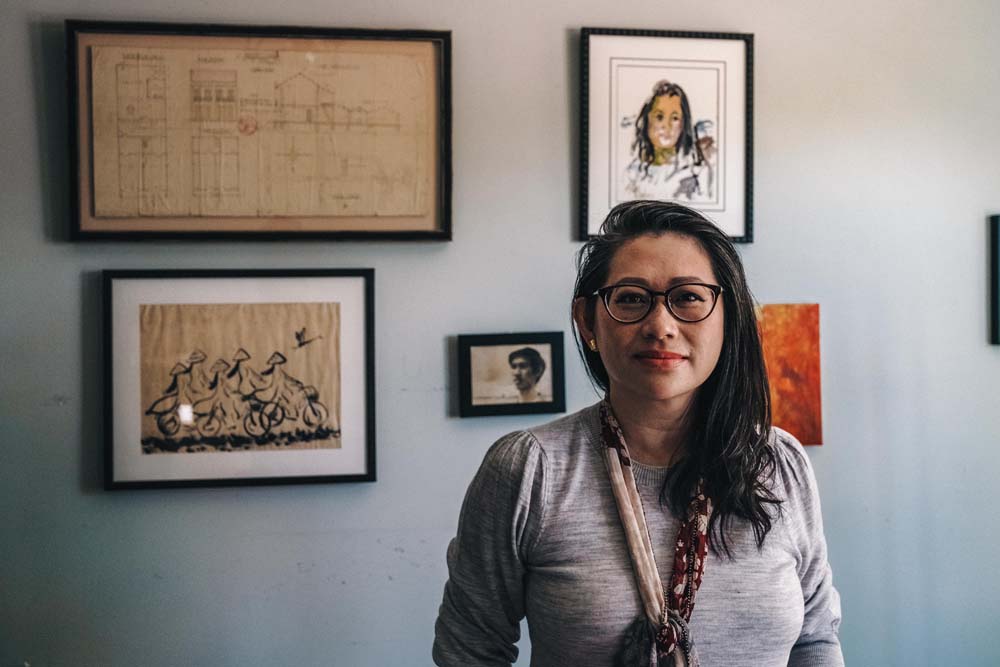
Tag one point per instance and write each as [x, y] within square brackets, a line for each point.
[661, 635]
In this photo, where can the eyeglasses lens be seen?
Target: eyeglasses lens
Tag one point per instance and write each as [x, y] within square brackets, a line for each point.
[631, 303]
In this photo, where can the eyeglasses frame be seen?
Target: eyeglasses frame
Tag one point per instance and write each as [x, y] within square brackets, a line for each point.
[603, 292]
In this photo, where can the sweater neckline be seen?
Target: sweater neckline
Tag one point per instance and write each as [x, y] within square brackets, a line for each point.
[645, 475]
[649, 475]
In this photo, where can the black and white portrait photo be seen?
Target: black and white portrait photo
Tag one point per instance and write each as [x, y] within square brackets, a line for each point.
[511, 374]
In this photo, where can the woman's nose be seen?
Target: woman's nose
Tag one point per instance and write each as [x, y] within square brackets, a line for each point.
[660, 322]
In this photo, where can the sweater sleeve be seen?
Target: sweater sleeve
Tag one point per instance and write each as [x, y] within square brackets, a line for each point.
[818, 644]
[479, 619]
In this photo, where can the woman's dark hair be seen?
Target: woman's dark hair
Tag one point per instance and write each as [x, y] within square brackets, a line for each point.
[730, 419]
[533, 358]
[643, 147]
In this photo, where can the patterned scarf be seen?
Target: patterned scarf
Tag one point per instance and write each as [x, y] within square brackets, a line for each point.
[660, 637]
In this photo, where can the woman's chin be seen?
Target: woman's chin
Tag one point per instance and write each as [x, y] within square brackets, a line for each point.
[659, 392]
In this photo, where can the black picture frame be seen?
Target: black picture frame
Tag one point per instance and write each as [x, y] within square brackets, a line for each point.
[994, 241]
[238, 118]
[616, 66]
[486, 388]
[241, 435]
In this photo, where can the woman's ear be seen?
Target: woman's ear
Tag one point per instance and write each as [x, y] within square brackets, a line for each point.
[580, 318]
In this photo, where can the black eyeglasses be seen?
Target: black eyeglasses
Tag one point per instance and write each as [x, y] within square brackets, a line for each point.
[688, 302]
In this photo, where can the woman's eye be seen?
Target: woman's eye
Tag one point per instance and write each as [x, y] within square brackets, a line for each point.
[630, 297]
[687, 298]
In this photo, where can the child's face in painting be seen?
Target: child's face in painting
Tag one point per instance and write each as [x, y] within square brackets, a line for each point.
[664, 121]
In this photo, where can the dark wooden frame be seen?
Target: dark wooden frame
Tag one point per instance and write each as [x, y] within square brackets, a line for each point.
[81, 155]
[995, 280]
[108, 280]
[552, 338]
[585, 68]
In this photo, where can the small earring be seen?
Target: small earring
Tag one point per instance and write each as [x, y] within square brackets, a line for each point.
[593, 345]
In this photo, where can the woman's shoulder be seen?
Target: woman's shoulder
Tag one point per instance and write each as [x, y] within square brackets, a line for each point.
[790, 452]
[794, 479]
[553, 441]
[570, 431]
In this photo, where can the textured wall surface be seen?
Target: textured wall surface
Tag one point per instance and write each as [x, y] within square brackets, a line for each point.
[875, 169]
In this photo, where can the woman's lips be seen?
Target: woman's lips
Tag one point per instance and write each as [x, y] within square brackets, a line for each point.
[661, 360]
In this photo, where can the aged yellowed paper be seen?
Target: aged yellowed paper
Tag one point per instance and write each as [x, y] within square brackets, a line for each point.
[225, 377]
[308, 128]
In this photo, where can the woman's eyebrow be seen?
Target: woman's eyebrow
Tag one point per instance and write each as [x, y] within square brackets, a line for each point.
[677, 280]
[685, 279]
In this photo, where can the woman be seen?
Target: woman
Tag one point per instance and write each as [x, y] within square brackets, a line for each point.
[671, 153]
[675, 483]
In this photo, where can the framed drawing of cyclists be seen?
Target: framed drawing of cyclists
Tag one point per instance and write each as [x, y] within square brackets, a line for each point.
[233, 377]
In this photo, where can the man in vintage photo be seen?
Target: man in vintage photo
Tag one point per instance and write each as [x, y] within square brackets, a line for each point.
[527, 367]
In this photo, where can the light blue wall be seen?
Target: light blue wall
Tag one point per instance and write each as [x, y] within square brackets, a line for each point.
[876, 161]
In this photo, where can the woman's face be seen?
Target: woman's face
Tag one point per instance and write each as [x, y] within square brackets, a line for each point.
[659, 358]
[665, 121]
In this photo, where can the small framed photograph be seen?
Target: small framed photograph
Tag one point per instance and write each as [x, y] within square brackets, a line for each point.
[224, 131]
[668, 116]
[511, 374]
[232, 377]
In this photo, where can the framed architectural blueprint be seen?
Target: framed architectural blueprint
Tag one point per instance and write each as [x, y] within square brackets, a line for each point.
[263, 132]
[238, 377]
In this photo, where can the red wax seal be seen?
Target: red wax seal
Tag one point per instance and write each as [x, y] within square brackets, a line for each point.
[247, 125]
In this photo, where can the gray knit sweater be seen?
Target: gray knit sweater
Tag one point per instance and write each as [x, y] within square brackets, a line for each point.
[539, 536]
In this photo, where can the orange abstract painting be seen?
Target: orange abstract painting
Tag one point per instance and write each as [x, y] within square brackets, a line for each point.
[790, 336]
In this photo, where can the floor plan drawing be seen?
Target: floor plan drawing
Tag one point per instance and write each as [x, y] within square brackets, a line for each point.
[215, 171]
[141, 136]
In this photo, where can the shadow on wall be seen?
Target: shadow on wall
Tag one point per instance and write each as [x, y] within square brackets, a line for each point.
[93, 384]
[48, 55]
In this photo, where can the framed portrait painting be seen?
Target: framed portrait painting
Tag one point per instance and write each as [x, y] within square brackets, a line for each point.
[511, 374]
[201, 131]
[668, 116]
[226, 377]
